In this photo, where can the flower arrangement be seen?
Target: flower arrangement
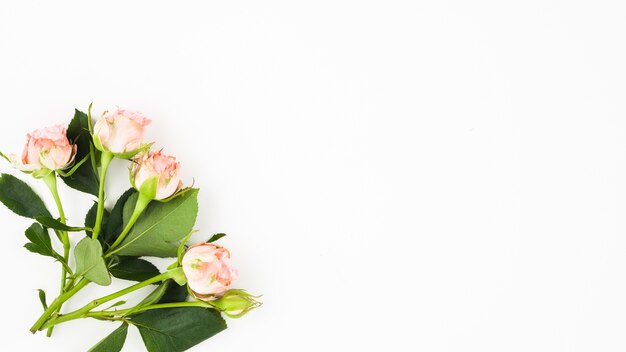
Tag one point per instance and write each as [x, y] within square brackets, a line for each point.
[155, 217]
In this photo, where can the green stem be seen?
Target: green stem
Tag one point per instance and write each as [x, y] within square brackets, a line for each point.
[122, 312]
[105, 161]
[51, 181]
[56, 304]
[140, 206]
[82, 312]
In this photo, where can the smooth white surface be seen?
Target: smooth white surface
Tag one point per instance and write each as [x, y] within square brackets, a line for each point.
[393, 175]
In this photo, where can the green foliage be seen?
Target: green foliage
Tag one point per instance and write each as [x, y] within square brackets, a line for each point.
[90, 220]
[85, 177]
[134, 269]
[114, 342]
[20, 198]
[89, 261]
[162, 224]
[177, 329]
[52, 223]
[39, 241]
[115, 222]
[174, 293]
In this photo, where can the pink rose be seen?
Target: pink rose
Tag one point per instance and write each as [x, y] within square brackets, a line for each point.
[46, 150]
[208, 270]
[156, 175]
[120, 131]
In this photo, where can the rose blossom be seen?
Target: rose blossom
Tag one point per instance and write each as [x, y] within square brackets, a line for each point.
[158, 168]
[120, 131]
[46, 149]
[208, 270]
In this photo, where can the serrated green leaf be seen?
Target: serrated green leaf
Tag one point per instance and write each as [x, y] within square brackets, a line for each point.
[134, 269]
[84, 178]
[174, 293]
[216, 237]
[160, 226]
[52, 223]
[177, 329]
[114, 342]
[39, 241]
[89, 261]
[115, 222]
[20, 198]
[90, 220]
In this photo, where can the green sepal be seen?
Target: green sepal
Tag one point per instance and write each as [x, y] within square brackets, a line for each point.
[125, 155]
[97, 143]
[215, 237]
[41, 173]
[149, 187]
[74, 168]
[89, 121]
[236, 303]
[178, 275]
[182, 192]
[181, 247]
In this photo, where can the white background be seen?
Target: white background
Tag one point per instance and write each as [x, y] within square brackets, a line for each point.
[393, 175]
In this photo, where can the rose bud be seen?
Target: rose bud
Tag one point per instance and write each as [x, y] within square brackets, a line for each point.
[46, 150]
[155, 175]
[236, 303]
[208, 270]
[120, 132]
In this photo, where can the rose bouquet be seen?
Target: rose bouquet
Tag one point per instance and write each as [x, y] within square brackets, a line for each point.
[155, 217]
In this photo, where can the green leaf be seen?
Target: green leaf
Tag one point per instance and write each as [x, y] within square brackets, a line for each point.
[89, 261]
[20, 198]
[39, 241]
[42, 298]
[115, 223]
[177, 329]
[134, 269]
[84, 178]
[174, 293]
[52, 223]
[216, 237]
[160, 226]
[155, 295]
[90, 220]
[114, 342]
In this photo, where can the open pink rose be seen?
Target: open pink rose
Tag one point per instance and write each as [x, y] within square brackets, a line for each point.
[208, 270]
[46, 149]
[156, 173]
[120, 131]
